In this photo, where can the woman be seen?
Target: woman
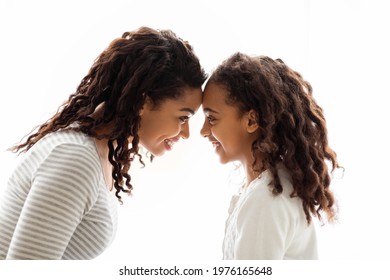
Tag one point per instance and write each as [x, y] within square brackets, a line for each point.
[262, 113]
[59, 202]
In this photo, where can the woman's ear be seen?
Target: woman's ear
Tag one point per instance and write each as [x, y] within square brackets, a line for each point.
[251, 122]
[148, 104]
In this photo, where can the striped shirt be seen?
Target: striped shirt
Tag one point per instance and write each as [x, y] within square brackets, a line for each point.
[56, 204]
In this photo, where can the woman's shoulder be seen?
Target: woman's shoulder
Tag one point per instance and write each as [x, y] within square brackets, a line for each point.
[72, 157]
[69, 138]
[66, 147]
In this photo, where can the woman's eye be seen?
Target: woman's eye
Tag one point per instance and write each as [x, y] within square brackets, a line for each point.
[183, 119]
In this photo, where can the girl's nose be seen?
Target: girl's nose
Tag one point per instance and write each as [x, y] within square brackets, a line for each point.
[205, 130]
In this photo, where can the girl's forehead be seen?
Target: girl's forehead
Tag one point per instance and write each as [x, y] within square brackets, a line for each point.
[216, 97]
[214, 101]
[214, 93]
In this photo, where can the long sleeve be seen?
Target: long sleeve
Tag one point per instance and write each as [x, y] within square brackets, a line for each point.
[266, 226]
[263, 226]
[62, 192]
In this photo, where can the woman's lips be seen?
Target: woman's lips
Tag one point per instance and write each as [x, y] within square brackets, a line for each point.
[170, 142]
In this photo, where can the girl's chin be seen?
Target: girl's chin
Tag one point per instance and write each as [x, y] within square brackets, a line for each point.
[223, 159]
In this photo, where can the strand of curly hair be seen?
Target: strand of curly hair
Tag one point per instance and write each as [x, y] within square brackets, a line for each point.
[145, 62]
[292, 127]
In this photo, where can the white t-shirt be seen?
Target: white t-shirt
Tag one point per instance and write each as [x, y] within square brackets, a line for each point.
[263, 226]
[56, 204]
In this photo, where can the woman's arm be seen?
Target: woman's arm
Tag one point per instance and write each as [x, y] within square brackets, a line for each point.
[62, 191]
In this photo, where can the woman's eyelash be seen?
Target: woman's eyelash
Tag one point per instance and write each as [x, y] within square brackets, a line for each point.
[184, 119]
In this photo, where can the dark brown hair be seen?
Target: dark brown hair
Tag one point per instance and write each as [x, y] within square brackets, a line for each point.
[143, 63]
[292, 126]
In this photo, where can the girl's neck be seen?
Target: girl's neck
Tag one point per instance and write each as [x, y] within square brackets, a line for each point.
[250, 173]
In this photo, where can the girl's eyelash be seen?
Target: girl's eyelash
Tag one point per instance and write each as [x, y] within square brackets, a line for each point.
[211, 119]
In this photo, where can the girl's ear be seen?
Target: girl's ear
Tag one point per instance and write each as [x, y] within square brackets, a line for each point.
[251, 122]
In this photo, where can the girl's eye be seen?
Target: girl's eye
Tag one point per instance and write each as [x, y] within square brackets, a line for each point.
[211, 120]
[183, 119]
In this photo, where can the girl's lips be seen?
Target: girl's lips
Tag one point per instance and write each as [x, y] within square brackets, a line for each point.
[216, 144]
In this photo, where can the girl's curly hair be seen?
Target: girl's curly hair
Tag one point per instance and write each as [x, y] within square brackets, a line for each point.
[292, 126]
[142, 63]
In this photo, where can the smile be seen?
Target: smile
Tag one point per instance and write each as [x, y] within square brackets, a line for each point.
[216, 144]
[169, 143]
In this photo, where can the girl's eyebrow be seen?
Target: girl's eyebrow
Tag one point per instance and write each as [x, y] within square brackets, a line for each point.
[209, 110]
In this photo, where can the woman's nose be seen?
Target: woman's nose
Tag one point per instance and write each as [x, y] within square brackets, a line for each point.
[185, 131]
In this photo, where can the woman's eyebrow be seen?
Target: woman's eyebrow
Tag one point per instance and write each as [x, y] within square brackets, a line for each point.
[189, 110]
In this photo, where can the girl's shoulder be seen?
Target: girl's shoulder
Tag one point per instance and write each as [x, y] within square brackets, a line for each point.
[259, 192]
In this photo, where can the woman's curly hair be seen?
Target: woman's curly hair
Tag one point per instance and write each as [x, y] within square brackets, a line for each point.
[142, 63]
[292, 126]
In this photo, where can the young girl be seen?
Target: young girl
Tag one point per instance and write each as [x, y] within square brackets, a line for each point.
[262, 113]
[60, 201]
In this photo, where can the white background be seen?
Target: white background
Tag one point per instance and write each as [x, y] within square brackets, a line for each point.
[180, 201]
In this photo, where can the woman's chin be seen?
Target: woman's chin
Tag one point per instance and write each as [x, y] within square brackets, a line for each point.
[159, 154]
[156, 153]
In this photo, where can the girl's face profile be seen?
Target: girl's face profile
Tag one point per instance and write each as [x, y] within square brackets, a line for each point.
[224, 127]
[163, 126]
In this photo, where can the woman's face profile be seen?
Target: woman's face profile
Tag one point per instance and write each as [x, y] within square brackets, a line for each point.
[163, 126]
